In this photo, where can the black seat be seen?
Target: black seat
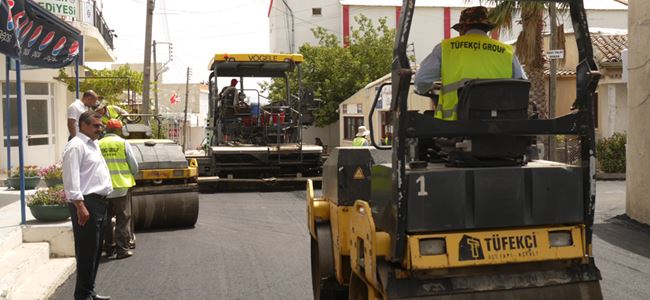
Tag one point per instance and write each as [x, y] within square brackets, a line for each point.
[490, 99]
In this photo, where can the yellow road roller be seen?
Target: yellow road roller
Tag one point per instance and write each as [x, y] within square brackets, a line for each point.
[166, 190]
[461, 209]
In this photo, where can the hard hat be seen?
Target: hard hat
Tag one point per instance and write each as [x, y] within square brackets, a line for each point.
[362, 131]
[113, 124]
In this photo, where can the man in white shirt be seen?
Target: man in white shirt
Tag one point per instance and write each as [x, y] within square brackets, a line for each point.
[87, 182]
[78, 107]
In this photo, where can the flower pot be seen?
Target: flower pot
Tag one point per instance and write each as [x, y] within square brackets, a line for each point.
[53, 182]
[50, 213]
[30, 182]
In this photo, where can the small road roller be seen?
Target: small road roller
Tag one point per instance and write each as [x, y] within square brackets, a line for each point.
[461, 209]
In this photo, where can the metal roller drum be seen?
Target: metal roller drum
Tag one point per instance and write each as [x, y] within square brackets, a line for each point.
[165, 206]
[166, 192]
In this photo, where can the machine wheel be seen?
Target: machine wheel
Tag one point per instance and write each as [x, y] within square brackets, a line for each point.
[358, 288]
[324, 282]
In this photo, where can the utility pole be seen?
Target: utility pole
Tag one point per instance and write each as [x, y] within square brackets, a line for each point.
[156, 72]
[187, 99]
[552, 83]
[147, 57]
[155, 79]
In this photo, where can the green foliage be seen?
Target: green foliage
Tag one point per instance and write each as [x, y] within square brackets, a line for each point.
[336, 72]
[610, 153]
[30, 171]
[50, 196]
[111, 89]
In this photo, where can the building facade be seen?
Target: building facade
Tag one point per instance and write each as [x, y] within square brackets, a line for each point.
[291, 22]
[45, 99]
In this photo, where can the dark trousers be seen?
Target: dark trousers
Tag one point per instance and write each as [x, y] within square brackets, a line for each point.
[87, 244]
[118, 238]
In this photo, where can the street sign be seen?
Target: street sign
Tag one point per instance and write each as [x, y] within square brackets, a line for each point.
[555, 54]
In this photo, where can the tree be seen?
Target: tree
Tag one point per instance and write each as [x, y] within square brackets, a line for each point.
[530, 43]
[336, 72]
[111, 87]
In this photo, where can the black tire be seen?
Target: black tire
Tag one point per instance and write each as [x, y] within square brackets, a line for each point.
[324, 284]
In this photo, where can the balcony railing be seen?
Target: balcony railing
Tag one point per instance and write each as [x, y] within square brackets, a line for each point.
[91, 14]
[86, 11]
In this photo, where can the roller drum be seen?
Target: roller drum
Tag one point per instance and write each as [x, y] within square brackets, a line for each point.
[165, 206]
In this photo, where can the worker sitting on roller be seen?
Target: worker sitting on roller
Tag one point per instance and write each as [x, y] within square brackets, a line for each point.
[109, 111]
[472, 55]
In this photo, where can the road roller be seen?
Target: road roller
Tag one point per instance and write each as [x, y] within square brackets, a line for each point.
[461, 209]
[166, 190]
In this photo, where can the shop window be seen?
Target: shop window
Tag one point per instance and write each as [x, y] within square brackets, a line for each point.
[350, 125]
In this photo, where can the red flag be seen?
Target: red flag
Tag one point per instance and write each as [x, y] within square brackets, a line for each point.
[174, 98]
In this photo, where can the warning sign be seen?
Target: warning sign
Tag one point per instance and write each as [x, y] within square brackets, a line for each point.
[358, 174]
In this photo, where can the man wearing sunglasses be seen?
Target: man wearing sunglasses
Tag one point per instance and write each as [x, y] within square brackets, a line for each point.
[87, 182]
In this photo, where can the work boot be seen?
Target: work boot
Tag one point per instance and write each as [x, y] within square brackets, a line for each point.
[110, 252]
[124, 254]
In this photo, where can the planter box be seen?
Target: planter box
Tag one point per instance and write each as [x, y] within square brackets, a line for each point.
[53, 182]
[50, 213]
[30, 182]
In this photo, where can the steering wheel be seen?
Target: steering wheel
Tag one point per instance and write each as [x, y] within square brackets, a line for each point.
[132, 120]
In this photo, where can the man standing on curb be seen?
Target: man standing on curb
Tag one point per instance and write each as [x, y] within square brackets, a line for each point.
[122, 167]
[86, 182]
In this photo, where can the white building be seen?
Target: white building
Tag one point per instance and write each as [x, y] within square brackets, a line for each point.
[46, 99]
[171, 105]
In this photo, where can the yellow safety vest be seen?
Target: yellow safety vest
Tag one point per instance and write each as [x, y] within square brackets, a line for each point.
[470, 56]
[114, 152]
[111, 114]
[359, 141]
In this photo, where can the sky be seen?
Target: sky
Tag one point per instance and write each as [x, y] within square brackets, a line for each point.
[197, 28]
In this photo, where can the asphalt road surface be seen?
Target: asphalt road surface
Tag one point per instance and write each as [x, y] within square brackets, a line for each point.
[255, 246]
[244, 246]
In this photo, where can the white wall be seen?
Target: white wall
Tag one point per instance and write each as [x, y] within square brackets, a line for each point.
[329, 135]
[280, 22]
[427, 29]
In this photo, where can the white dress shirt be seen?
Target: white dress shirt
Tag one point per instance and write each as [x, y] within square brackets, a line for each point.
[75, 110]
[84, 169]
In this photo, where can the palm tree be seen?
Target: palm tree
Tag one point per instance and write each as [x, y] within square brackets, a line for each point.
[529, 45]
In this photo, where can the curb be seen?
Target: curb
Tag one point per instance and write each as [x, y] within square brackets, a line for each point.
[610, 176]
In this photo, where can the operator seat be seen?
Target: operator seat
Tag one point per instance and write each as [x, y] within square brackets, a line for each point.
[490, 99]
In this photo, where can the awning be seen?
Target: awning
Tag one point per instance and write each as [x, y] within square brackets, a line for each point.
[35, 36]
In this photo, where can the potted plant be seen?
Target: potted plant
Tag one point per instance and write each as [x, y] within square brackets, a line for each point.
[49, 205]
[52, 175]
[31, 177]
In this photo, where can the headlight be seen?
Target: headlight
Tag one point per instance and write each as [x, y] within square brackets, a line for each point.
[432, 246]
[560, 238]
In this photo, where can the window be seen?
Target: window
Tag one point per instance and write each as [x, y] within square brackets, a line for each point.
[359, 108]
[350, 125]
[345, 108]
[316, 11]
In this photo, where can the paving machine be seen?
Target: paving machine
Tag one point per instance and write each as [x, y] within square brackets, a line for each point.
[166, 192]
[457, 209]
[247, 142]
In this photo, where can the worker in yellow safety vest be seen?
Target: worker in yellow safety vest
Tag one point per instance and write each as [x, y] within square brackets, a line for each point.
[472, 55]
[122, 166]
[109, 112]
[361, 139]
